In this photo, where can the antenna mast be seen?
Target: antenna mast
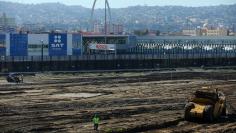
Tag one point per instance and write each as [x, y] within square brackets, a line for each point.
[92, 15]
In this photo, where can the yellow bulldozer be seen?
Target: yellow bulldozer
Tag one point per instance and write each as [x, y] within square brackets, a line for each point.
[205, 105]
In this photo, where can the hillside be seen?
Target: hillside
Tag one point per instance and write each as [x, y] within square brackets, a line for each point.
[164, 18]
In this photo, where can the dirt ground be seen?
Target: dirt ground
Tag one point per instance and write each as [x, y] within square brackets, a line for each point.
[147, 102]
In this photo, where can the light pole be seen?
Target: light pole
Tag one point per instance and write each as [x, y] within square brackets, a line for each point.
[2, 65]
[42, 45]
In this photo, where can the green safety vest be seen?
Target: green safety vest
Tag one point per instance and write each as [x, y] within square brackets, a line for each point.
[96, 120]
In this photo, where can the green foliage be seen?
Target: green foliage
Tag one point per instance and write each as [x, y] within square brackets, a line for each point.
[141, 32]
[158, 33]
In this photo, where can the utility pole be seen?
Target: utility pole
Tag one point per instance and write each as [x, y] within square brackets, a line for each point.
[105, 17]
[2, 63]
[233, 28]
[105, 24]
[42, 45]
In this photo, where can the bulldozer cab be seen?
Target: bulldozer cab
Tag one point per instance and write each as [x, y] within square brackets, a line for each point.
[204, 97]
[207, 95]
[206, 104]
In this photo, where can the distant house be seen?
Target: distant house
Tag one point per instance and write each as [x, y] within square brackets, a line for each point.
[206, 32]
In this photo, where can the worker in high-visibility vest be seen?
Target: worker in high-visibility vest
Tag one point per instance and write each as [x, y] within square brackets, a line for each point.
[96, 121]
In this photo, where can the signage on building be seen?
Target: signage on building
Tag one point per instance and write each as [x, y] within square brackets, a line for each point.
[102, 46]
[57, 44]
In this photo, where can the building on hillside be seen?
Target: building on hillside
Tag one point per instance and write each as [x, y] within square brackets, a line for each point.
[98, 28]
[33, 28]
[217, 32]
[7, 24]
[189, 32]
[206, 32]
[115, 29]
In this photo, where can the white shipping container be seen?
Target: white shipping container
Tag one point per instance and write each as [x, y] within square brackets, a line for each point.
[35, 42]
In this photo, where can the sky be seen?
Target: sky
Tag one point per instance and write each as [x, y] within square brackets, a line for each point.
[125, 3]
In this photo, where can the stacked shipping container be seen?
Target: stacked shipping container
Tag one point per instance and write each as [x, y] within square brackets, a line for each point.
[18, 44]
[53, 44]
[2, 44]
[56, 44]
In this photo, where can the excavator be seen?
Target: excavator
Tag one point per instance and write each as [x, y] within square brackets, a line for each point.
[205, 105]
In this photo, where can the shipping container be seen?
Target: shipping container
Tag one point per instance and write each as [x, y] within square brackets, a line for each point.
[77, 51]
[37, 43]
[2, 45]
[18, 44]
[77, 44]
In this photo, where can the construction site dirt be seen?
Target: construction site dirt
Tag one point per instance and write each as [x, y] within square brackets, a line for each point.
[147, 102]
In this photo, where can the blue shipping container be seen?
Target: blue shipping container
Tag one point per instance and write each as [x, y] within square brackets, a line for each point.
[132, 40]
[76, 43]
[76, 40]
[76, 51]
[57, 44]
[2, 51]
[18, 44]
[2, 45]
[2, 37]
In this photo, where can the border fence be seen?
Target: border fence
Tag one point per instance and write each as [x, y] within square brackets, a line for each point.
[111, 62]
[146, 53]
